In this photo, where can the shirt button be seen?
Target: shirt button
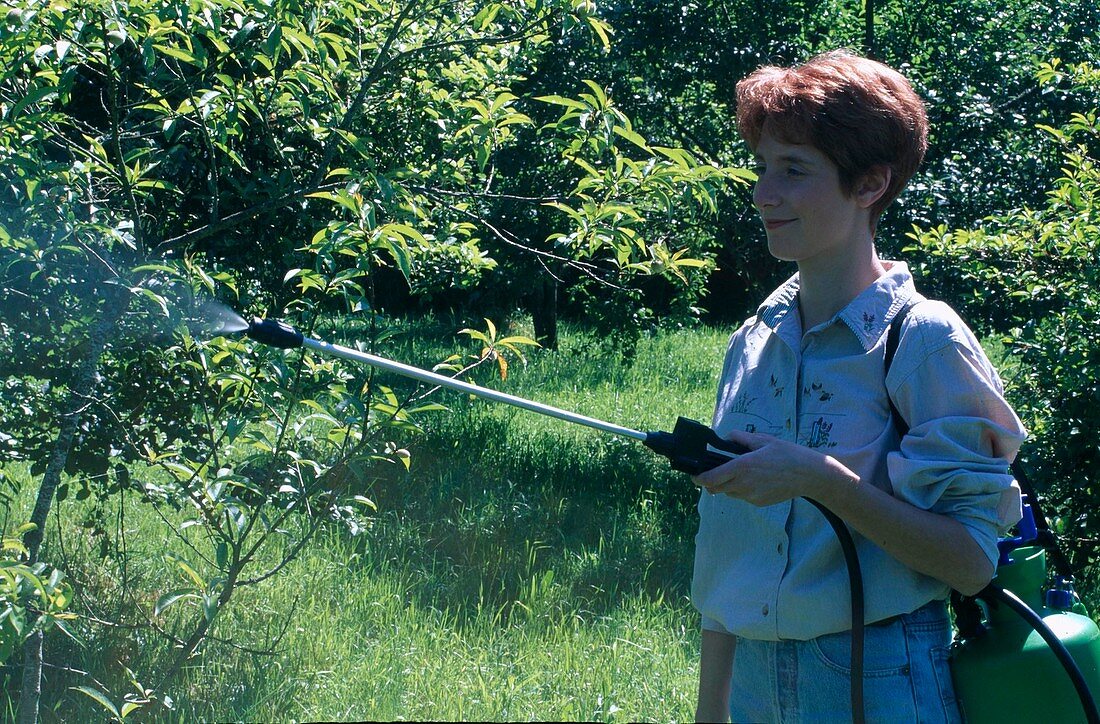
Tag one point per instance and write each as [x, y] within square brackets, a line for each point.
[764, 611]
[779, 549]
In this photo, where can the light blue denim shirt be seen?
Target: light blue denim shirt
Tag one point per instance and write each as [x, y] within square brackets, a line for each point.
[777, 572]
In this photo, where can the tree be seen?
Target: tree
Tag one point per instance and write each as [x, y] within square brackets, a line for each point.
[277, 156]
[1033, 274]
[673, 70]
[973, 64]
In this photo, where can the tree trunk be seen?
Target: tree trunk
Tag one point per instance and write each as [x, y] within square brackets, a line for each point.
[80, 392]
[544, 313]
[869, 28]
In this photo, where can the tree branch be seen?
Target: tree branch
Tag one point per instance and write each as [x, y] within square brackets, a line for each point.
[239, 217]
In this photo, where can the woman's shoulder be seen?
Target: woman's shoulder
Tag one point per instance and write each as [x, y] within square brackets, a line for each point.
[934, 324]
[933, 330]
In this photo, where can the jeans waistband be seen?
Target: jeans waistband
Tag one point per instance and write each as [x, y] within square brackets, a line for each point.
[932, 608]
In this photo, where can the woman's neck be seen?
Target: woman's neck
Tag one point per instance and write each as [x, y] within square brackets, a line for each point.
[827, 286]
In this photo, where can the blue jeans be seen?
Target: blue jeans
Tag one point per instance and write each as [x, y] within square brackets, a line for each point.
[906, 676]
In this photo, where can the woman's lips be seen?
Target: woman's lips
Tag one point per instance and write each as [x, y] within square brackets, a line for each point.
[771, 224]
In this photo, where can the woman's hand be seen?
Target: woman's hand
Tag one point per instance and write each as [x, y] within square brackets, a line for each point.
[774, 471]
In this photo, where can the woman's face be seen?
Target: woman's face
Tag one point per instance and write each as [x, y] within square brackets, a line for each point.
[806, 214]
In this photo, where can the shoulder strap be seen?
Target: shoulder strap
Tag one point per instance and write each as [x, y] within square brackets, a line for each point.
[893, 337]
[1047, 538]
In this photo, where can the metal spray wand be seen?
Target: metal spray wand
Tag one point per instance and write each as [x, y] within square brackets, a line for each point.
[691, 447]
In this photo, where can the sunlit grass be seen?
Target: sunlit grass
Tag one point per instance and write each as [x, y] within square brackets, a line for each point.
[365, 645]
[524, 568]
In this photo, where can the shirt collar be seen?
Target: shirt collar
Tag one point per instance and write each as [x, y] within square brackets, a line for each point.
[867, 316]
[780, 304]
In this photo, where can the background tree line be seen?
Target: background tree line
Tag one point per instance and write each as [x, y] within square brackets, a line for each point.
[354, 161]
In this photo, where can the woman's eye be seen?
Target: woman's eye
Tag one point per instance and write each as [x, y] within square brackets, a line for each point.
[792, 171]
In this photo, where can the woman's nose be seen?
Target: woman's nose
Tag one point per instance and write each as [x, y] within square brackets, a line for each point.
[764, 194]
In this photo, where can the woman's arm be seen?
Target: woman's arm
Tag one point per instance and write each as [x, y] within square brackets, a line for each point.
[927, 542]
[715, 669]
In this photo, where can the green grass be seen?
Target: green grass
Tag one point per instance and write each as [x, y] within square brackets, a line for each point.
[524, 568]
[368, 646]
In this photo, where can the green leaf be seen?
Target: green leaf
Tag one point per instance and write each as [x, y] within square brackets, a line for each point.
[598, 93]
[155, 267]
[602, 29]
[430, 407]
[475, 334]
[395, 245]
[351, 202]
[210, 607]
[195, 577]
[159, 300]
[177, 53]
[589, 168]
[35, 96]
[14, 545]
[159, 184]
[130, 707]
[172, 597]
[631, 136]
[562, 101]
[303, 40]
[365, 501]
[98, 696]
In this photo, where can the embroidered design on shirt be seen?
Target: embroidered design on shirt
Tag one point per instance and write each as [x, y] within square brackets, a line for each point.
[774, 384]
[868, 322]
[819, 434]
[818, 388]
[742, 402]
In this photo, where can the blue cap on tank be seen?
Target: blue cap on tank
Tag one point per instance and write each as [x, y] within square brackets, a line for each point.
[1027, 531]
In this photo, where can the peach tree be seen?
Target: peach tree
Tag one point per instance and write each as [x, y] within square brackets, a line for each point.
[276, 156]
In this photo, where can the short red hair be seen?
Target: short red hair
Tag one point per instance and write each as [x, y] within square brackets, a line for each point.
[858, 112]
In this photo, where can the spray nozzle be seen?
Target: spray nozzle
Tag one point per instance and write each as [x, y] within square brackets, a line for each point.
[274, 332]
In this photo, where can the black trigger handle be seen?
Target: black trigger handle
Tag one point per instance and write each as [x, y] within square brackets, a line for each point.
[692, 447]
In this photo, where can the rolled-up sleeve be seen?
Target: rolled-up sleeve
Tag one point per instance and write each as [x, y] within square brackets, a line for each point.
[963, 434]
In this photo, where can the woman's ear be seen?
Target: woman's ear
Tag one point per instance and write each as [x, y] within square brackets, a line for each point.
[872, 185]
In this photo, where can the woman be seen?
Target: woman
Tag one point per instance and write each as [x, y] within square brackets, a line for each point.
[804, 386]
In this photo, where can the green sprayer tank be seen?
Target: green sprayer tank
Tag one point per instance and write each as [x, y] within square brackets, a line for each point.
[1009, 673]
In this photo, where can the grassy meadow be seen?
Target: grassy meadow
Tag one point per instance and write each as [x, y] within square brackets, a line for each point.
[523, 569]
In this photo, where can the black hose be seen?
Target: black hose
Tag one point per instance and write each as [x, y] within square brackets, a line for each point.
[1036, 622]
[855, 583]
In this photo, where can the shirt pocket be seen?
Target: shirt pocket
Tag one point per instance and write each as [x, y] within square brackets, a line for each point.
[843, 405]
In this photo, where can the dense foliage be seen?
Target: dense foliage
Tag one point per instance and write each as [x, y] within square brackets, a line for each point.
[673, 69]
[1031, 277]
[348, 160]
